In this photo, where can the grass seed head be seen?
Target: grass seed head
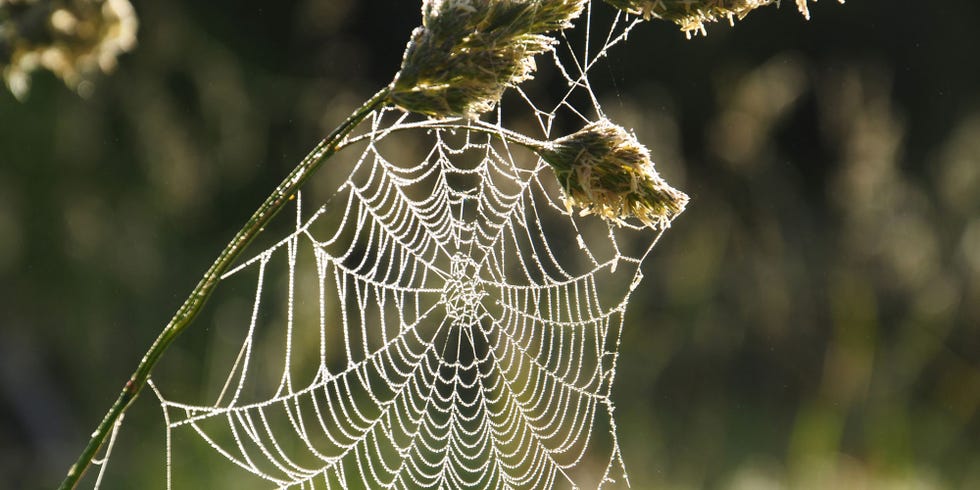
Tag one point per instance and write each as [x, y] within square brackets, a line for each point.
[468, 52]
[692, 15]
[605, 171]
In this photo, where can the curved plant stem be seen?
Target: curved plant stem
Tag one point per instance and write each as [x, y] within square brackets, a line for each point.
[193, 304]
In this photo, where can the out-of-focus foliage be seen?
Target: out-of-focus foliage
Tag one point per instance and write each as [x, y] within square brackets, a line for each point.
[71, 38]
[809, 322]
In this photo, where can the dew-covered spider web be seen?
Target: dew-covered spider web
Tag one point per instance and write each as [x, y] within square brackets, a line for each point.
[441, 319]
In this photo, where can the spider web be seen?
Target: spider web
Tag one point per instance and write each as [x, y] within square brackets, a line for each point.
[448, 321]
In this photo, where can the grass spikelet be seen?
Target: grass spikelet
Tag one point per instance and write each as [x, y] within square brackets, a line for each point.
[605, 171]
[468, 52]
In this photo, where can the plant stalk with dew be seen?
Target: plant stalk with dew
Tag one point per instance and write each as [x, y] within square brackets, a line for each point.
[283, 193]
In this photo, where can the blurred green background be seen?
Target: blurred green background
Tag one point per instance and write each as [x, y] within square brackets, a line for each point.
[810, 322]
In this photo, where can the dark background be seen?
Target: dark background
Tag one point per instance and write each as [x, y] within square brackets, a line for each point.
[810, 322]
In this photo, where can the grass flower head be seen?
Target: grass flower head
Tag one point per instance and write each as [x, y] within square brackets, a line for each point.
[468, 52]
[692, 15]
[604, 170]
